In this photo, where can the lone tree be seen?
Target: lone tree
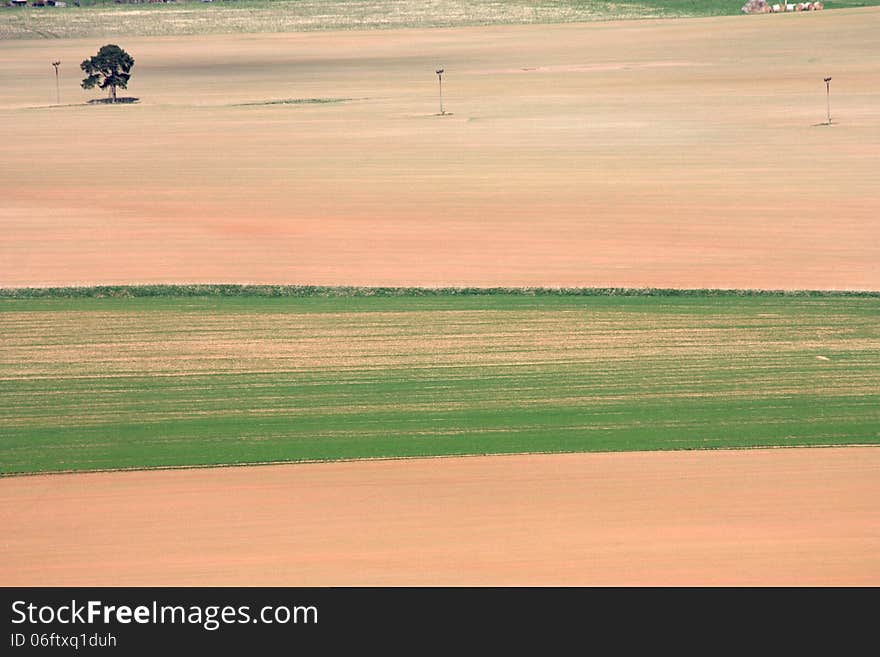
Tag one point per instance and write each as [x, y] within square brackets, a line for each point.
[109, 69]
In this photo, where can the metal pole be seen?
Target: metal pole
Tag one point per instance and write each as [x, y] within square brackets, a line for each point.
[57, 86]
[828, 98]
[440, 78]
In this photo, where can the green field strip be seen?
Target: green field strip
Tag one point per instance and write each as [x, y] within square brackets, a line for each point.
[127, 382]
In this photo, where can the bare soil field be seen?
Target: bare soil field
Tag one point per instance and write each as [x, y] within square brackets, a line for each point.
[767, 517]
[642, 153]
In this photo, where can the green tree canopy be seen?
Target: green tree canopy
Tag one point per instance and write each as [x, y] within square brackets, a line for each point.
[109, 69]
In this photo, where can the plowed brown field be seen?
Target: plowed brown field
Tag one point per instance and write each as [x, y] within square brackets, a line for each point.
[647, 153]
[787, 517]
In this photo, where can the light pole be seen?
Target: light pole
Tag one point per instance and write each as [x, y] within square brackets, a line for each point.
[57, 87]
[440, 79]
[828, 97]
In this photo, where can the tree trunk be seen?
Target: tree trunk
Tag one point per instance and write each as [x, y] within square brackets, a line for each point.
[113, 93]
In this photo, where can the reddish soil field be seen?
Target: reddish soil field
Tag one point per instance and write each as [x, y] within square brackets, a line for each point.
[648, 153]
[767, 517]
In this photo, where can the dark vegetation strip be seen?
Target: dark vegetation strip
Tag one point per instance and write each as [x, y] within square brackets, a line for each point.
[141, 291]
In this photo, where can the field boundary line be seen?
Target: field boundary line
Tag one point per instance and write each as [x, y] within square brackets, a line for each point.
[331, 291]
[208, 466]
